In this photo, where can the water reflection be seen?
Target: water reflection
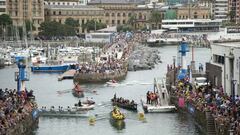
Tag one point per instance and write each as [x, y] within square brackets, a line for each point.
[117, 124]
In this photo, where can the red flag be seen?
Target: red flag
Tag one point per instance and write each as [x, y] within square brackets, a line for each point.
[181, 102]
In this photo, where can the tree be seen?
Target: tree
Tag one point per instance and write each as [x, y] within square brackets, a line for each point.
[5, 20]
[124, 28]
[93, 25]
[155, 18]
[132, 20]
[55, 29]
[29, 26]
[232, 16]
[71, 22]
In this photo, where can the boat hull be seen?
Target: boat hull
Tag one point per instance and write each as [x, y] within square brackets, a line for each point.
[84, 107]
[62, 114]
[60, 68]
[148, 108]
[128, 107]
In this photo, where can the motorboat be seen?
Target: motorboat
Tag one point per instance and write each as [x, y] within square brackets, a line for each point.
[112, 83]
[77, 91]
[84, 107]
[149, 108]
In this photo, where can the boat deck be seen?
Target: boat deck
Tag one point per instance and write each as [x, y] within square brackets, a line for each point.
[67, 75]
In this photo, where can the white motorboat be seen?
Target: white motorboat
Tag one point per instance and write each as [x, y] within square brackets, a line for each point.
[112, 83]
[157, 108]
[84, 107]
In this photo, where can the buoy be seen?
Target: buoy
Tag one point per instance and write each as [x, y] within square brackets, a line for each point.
[92, 120]
[141, 116]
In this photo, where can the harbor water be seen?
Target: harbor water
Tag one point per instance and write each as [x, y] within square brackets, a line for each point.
[134, 86]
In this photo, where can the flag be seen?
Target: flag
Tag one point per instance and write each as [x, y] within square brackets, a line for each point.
[181, 102]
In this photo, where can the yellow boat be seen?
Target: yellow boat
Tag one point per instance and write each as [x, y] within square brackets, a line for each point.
[116, 114]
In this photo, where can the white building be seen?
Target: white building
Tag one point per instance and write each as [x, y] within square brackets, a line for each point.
[220, 9]
[99, 37]
[2, 7]
[71, 3]
[225, 66]
[192, 25]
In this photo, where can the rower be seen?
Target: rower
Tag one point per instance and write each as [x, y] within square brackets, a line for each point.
[79, 103]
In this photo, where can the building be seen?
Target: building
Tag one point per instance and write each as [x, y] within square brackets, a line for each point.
[118, 12]
[22, 10]
[99, 37]
[2, 7]
[66, 2]
[224, 68]
[194, 12]
[192, 25]
[234, 6]
[60, 13]
[220, 9]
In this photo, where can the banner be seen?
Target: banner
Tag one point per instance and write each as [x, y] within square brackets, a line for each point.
[181, 102]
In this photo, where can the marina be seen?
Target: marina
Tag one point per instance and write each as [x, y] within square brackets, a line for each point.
[127, 67]
[139, 85]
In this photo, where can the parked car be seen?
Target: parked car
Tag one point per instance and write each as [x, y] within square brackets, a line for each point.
[201, 81]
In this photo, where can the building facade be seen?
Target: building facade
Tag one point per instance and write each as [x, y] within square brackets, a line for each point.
[224, 69]
[234, 6]
[2, 7]
[70, 2]
[198, 12]
[22, 10]
[60, 13]
[220, 9]
[119, 12]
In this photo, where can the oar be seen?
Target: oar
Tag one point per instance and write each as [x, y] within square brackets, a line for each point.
[64, 91]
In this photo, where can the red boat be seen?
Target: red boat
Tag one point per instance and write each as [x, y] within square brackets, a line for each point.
[77, 91]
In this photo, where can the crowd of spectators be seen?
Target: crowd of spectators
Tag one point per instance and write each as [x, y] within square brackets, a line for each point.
[112, 58]
[224, 108]
[14, 108]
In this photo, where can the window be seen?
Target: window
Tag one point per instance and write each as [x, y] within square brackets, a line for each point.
[124, 21]
[107, 14]
[124, 14]
[118, 14]
[118, 21]
[113, 14]
[60, 13]
[218, 59]
[54, 13]
[113, 21]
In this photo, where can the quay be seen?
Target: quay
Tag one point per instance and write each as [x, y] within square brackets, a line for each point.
[215, 110]
[67, 75]
[114, 63]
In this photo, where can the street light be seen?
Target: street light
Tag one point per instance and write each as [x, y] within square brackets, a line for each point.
[233, 90]
[174, 68]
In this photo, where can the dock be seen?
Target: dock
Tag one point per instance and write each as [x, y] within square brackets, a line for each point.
[67, 75]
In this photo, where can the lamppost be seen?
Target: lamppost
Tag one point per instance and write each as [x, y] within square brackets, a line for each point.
[174, 69]
[207, 73]
[233, 90]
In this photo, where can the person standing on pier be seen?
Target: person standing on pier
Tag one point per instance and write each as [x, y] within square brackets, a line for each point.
[163, 94]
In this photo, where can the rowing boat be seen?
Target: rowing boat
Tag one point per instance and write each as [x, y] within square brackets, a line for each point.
[132, 107]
